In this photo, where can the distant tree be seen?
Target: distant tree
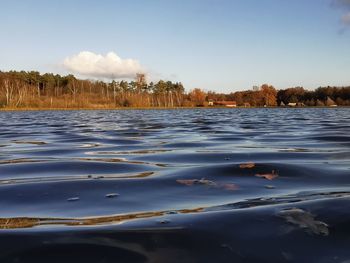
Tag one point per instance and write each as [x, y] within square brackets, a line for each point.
[197, 96]
[339, 101]
[269, 95]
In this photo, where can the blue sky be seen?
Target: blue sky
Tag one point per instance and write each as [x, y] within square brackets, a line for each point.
[221, 45]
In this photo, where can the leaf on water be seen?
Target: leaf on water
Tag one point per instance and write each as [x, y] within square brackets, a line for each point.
[304, 220]
[247, 165]
[269, 176]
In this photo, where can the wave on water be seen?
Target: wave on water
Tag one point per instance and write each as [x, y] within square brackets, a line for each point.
[196, 185]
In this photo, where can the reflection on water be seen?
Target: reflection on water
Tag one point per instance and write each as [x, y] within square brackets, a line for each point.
[8, 223]
[194, 185]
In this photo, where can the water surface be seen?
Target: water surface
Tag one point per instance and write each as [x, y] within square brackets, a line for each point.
[201, 185]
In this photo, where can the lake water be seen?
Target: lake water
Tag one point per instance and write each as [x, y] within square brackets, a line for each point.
[201, 185]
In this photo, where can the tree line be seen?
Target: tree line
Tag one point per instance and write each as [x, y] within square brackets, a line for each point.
[30, 89]
[267, 95]
[34, 90]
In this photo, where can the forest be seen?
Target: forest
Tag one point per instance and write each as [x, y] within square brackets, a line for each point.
[30, 89]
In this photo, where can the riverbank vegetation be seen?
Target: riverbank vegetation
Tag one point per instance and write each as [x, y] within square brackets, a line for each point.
[22, 89]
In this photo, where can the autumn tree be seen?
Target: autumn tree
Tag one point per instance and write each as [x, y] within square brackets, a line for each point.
[269, 95]
[197, 96]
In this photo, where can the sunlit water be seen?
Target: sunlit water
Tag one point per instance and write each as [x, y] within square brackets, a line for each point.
[206, 185]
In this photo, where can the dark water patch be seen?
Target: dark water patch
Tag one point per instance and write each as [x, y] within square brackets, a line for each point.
[189, 238]
[52, 152]
[69, 167]
[286, 170]
[210, 157]
[338, 138]
[139, 152]
[293, 215]
[184, 145]
[229, 138]
[278, 200]
[42, 179]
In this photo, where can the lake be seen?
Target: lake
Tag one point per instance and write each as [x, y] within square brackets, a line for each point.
[191, 185]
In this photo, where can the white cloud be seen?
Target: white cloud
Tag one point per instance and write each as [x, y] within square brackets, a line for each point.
[346, 19]
[110, 66]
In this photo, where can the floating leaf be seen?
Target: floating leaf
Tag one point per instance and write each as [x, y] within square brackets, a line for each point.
[269, 176]
[247, 165]
[305, 220]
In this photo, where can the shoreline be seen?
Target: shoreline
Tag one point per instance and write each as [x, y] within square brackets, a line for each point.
[161, 108]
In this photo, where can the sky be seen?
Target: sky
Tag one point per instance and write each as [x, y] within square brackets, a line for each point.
[217, 45]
